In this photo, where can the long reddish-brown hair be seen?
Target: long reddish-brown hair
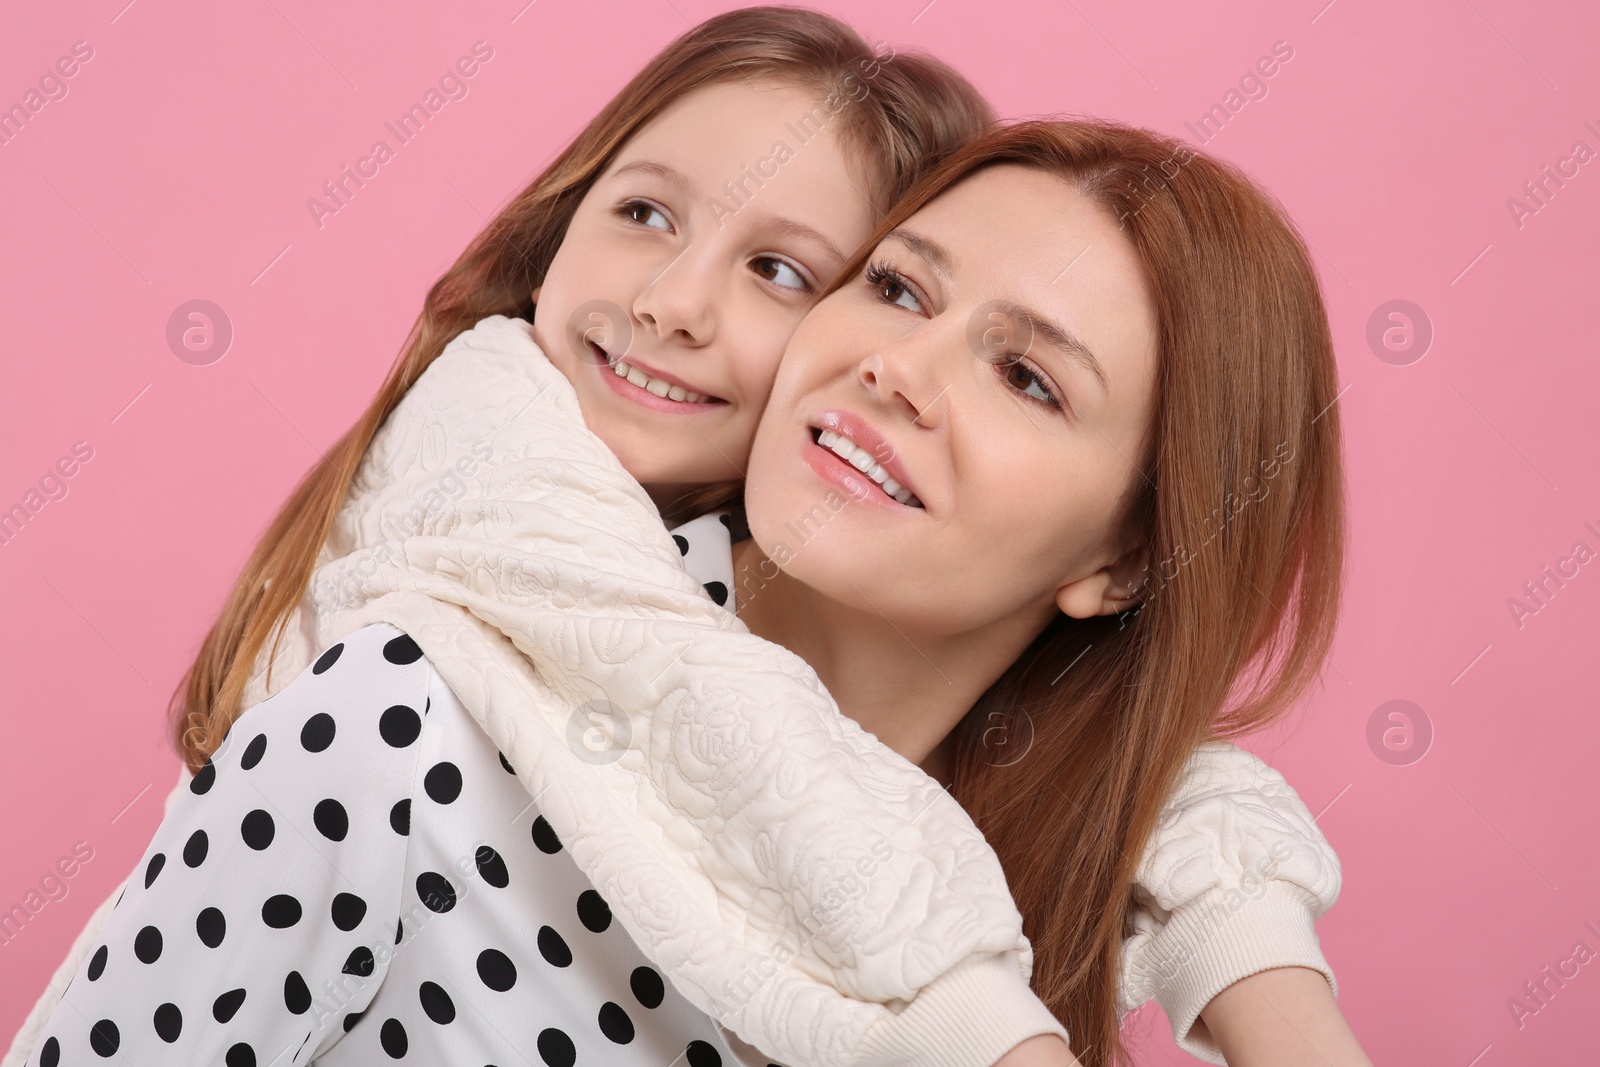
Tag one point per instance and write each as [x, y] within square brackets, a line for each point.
[898, 114]
[1240, 502]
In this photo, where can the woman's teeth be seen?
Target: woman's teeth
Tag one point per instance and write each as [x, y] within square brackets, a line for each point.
[656, 385]
[862, 460]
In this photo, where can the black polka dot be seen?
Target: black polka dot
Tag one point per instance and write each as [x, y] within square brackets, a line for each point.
[556, 1048]
[436, 892]
[104, 1038]
[153, 868]
[402, 650]
[296, 994]
[254, 751]
[331, 819]
[436, 1002]
[545, 837]
[360, 962]
[496, 970]
[97, 963]
[647, 986]
[492, 867]
[593, 911]
[701, 1054]
[400, 817]
[393, 1035]
[443, 782]
[50, 1053]
[682, 543]
[226, 1006]
[554, 948]
[399, 929]
[317, 734]
[168, 1022]
[718, 592]
[240, 1055]
[348, 910]
[400, 726]
[258, 829]
[147, 945]
[120, 895]
[212, 926]
[327, 659]
[615, 1024]
[726, 521]
[351, 1019]
[194, 849]
[506, 763]
[204, 778]
[280, 911]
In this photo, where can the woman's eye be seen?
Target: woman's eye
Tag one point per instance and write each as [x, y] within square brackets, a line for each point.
[1019, 375]
[892, 288]
[779, 273]
[643, 212]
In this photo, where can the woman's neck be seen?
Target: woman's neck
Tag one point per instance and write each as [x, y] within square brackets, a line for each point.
[909, 688]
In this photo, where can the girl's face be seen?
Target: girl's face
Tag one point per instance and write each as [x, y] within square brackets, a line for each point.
[688, 264]
[1013, 470]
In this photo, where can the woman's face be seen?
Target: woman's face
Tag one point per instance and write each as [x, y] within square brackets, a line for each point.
[687, 265]
[910, 361]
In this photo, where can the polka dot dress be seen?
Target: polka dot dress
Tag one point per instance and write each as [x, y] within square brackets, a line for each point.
[357, 877]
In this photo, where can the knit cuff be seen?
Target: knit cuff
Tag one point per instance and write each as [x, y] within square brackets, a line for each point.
[969, 1016]
[1215, 941]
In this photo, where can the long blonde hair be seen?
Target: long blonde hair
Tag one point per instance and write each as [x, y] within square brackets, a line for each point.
[1241, 604]
[915, 110]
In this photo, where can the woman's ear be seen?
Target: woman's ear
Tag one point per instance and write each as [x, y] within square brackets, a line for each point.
[1112, 589]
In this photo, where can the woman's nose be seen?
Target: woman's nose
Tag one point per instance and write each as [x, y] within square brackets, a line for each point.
[913, 375]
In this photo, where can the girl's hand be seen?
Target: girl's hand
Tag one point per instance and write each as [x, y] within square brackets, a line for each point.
[1285, 1016]
[1043, 1050]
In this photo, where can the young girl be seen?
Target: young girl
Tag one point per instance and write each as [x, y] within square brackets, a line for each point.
[685, 331]
[792, 136]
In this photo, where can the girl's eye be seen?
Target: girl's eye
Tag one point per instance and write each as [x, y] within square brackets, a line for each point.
[642, 211]
[1024, 378]
[891, 287]
[780, 273]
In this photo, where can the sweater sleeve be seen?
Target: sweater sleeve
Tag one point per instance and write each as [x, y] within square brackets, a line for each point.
[277, 872]
[1230, 884]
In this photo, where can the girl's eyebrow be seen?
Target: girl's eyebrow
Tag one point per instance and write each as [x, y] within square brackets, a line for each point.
[671, 176]
[786, 226]
[798, 230]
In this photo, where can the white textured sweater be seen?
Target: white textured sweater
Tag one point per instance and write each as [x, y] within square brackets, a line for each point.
[706, 835]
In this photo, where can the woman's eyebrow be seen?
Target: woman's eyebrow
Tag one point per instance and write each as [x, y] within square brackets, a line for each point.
[1054, 334]
[938, 257]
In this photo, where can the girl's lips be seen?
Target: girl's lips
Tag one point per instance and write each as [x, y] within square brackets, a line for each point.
[644, 397]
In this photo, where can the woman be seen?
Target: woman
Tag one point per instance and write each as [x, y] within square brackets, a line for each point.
[1161, 348]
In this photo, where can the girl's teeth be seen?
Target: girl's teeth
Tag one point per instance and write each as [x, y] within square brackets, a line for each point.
[655, 386]
[862, 460]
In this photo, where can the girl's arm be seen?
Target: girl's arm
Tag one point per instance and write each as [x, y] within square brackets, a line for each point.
[1045, 1050]
[1231, 884]
[1284, 1017]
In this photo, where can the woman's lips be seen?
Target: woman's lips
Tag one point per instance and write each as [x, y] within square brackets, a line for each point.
[830, 468]
[644, 397]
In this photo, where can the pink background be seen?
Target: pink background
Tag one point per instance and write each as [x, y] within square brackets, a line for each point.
[179, 165]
